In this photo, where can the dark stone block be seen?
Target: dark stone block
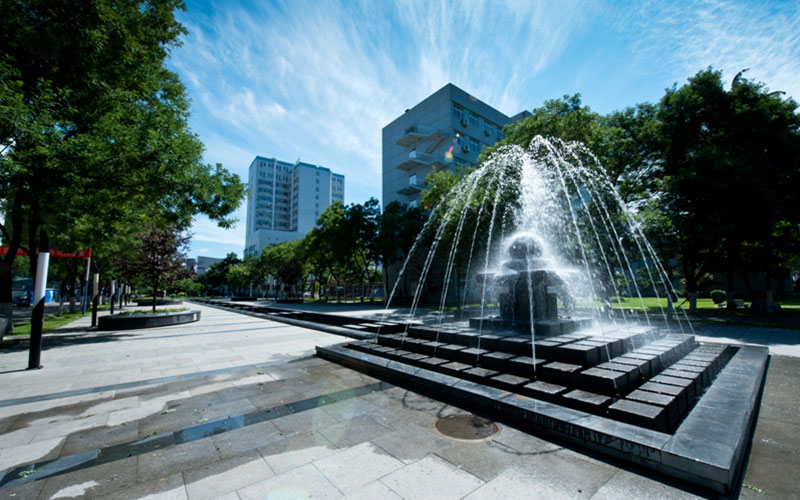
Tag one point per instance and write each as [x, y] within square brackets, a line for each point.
[390, 340]
[543, 390]
[524, 366]
[634, 376]
[672, 390]
[640, 414]
[508, 381]
[429, 347]
[578, 353]
[453, 368]
[516, 345]
[449, 351]
[496, 360]
[604, 381]
[587, 401]
[640, 364]
[471, 355]
[546, 348]
[667, 401]
[560, 373]
[414, 357]
[689, 384]
[431, 363]
[478, 374]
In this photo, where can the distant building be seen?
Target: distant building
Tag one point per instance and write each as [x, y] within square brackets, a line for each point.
[446, 130]
[203, 263]
[286, 199]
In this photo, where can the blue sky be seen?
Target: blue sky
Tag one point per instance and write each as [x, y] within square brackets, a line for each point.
[318, 80]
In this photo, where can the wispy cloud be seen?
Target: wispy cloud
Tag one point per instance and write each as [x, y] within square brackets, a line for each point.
[320, 79]
[730, 36]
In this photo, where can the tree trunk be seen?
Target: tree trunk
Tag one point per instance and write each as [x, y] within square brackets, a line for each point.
[155, 293]
[692, 302]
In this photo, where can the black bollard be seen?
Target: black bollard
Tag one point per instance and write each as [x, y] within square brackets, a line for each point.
[39, 291]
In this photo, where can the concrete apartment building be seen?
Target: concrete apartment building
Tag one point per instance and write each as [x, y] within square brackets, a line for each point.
[286, 199]
[446, 130]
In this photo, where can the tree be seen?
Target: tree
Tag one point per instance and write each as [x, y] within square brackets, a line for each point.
[731, 164]
[361, 228]
[160, 260]
[239, 276]
[283, 261]
[93, 127]
[216, 277]
[327, 251]
[400, 224]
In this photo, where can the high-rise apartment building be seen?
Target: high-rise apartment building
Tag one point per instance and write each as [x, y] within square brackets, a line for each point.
[286, 199]
[446, 130]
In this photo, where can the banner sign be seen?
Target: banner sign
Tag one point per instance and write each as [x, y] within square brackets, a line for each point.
[80, 254]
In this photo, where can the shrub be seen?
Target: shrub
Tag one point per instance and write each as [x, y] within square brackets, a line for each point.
[718, 296]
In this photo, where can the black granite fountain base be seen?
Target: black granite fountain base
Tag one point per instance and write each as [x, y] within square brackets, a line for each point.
[659, 400]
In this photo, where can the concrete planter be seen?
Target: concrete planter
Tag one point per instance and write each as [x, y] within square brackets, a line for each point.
[136, 321]
[159, 302]
[243, 299]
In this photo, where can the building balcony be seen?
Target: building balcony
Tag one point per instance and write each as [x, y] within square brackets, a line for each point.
[414, 187]
[417, 159]
[414, 135]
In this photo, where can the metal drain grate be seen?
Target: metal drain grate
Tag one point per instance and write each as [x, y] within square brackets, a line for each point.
[467, 427]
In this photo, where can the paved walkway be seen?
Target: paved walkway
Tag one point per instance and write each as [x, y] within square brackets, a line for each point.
[236, 407]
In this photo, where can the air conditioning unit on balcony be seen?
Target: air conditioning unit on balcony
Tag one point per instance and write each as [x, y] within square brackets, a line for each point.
[411, 129]
[465, 148]
[463, 122]
[487, 132]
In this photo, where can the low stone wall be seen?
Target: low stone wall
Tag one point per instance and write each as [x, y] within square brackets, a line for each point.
[159, 302]
[136, 321]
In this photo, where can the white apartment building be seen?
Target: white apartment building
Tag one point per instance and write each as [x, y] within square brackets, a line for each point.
[286, 199]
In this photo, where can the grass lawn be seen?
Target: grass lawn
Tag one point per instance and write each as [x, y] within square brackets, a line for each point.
[23, 330]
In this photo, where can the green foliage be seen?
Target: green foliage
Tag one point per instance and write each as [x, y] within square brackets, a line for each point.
[718, 296]
[94, 128]
[188, 287]
[216, 277]
[284, 262]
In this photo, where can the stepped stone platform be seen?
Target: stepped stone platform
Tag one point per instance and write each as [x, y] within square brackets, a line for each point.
[660, 400]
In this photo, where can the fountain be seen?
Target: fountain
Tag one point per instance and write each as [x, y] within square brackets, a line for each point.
[537, 249]
[529, 301]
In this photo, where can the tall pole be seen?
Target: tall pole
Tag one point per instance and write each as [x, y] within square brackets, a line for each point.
[86, 286]
[39, 290]
[112, 293]
[95, 297]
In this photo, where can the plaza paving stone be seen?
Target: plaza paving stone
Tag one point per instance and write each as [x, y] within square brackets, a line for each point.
[237, 407]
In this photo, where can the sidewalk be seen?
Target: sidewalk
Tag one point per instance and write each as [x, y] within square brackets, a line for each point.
[238, 407]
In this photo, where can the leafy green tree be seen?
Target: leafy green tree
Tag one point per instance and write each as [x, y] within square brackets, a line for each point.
[93, 127]
[283, 261]
[239, 276]
[216, 277]
[326, 251]
[361, 229]
[731, 163]
[400, 224]
[159, 258]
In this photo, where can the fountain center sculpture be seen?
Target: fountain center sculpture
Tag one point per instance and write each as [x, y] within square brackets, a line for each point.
[530, 292]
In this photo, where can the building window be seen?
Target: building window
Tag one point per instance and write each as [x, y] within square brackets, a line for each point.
[473, 145]
[458, 112]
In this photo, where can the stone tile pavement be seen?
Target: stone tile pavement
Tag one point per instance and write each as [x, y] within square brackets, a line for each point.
[236, 407]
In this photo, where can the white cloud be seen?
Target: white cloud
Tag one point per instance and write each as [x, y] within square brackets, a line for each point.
[729, 36]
